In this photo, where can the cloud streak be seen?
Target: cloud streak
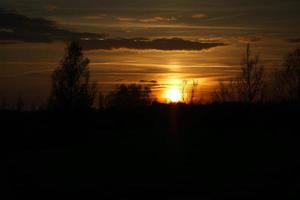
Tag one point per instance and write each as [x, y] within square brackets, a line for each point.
[145, 44]
[156, 19]
[199, 16]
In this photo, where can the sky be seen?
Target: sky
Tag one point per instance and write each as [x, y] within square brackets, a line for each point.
[160, 43]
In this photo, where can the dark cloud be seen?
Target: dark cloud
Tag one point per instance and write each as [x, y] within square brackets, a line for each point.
[268, 14]
[294, 40]
[17, 27]
[155, 19]
[144, 44]
[149, 81]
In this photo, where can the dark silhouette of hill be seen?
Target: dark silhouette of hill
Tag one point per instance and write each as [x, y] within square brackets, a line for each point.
[213, 151]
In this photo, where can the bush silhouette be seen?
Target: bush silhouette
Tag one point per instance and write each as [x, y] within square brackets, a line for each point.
[71, 87]
[129, 96]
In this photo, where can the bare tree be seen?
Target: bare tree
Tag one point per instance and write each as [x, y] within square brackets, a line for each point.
[248, 86]
[194, 87]
[188, 94]
[225, 92]
[20, 104]
[71, 87]
[287, 85]
[251, 83]
[183, 90]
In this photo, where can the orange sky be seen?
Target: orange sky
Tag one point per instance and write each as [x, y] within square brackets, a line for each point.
[27, 59]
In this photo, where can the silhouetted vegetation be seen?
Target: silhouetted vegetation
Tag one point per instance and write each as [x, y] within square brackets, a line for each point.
[193, 91]
[167, 151]
[20, 104]
[129, 96]
[248, 86]
[71, 87]
[225, 92]
[287, 85]
[133, 148]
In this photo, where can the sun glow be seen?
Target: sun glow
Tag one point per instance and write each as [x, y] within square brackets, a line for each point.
[173, 95]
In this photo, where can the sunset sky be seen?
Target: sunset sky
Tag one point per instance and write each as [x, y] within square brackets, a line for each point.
[155, 42]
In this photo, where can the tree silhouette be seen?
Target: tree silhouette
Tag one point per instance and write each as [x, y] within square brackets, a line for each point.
[287, 83]
[248, 86]
[20, 104]
[129, 96]
[224, 92]
[71, 87]
[251, 83]
[193, 91]
[101, 101]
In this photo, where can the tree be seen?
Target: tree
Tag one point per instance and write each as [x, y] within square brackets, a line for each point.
[224, 92]
[71, 87]
[129, 96]
[249, 85]
[101, 101]
[287, 85]
[20, 104]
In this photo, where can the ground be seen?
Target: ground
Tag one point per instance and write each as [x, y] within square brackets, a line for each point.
[161, 151]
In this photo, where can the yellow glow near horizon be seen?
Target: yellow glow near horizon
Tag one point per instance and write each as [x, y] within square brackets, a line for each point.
[173, 95]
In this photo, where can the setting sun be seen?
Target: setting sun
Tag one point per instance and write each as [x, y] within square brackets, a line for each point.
[173, 95]
[180, 99]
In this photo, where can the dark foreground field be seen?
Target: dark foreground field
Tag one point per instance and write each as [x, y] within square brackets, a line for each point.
[169, 152]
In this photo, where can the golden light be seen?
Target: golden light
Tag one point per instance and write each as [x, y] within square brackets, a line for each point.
[173, 95]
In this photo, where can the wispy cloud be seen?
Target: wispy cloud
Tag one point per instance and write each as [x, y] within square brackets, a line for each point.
[249, 39]
[146, 20]
[158, 19]
[94, 17]
[199, 16]
[126, 19]
[51, 7]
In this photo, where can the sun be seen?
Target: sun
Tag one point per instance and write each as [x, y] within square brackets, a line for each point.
[173, 95]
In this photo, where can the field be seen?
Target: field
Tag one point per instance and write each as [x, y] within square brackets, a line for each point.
[161, 151]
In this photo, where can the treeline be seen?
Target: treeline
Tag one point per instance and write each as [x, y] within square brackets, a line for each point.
[251, 85]
[72, 89]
